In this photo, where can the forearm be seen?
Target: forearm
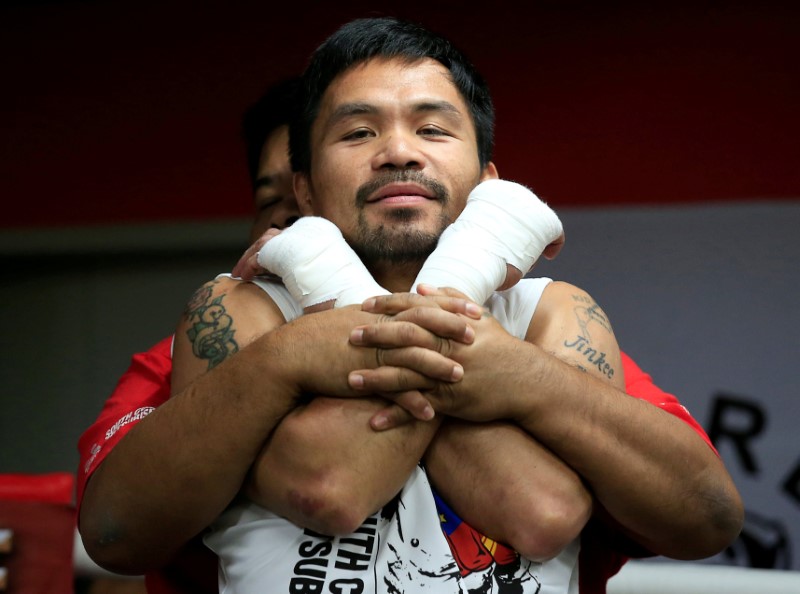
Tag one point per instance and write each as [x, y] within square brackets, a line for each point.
[525, 497]
[654, 475]
[179, 467]
[325, 469]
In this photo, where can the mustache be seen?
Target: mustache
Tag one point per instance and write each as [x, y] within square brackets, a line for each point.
[402, 176]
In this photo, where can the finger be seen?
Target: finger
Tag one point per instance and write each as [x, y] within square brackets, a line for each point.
[390, 417]
[399, 334]
[413, 362]
[452, 300]
[425, 326]
[551, 251]
[395, 303]
[244, 267]
[410, 400]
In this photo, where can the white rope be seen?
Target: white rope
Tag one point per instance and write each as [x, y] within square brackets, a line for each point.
[641, 577]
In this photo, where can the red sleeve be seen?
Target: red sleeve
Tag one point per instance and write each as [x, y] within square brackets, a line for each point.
[640, 385]
[143, 387]
[605, 550]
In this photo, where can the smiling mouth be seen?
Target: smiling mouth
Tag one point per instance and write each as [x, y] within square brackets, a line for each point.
[398, 194]
[401, 188]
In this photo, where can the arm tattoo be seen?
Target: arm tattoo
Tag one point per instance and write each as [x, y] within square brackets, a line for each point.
[211, 333]
[593, 356]
[587, 312]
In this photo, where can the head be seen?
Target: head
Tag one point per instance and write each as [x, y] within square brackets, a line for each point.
[394, 131]
[361, 40]
[265, 130]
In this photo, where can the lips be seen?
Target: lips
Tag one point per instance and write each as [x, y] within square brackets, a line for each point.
[402, 192]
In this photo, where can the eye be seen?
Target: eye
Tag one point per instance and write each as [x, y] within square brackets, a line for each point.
[267, 203]
[358, 134]
[431, 130]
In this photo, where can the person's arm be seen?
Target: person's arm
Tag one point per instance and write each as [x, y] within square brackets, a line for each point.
[506, 485]
[324, 468]
[545, 505]
[144, 386]
[650, 471]
[182, 465]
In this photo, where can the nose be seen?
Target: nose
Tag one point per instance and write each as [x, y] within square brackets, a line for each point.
[399, 150]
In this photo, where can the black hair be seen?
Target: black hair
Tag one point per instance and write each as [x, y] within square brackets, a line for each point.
[275, 108]
[363, 39]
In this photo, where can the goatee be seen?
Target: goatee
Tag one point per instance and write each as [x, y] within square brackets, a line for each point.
[398, 241]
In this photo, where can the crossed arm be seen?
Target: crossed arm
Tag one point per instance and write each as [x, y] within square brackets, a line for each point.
[201, 445]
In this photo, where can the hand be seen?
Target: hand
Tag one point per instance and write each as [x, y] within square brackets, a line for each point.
[551, 251]
[492, 351]
[413, 366]
[248, 267]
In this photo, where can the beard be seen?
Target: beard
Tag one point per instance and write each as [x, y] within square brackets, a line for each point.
[398, 241]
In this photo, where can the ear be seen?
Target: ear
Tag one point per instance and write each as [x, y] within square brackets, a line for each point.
[489, 172]
[302, 192]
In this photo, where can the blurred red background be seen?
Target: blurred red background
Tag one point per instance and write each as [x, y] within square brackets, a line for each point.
[118, 112]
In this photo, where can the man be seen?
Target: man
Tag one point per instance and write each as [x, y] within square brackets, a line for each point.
[203, 426]
[394, 154]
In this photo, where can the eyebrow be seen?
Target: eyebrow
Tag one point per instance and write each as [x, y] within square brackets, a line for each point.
[347, 110]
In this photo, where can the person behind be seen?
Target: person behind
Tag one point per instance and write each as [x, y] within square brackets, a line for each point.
[146, 384]
[134, 449]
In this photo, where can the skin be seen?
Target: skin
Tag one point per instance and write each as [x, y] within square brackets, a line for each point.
[273, 196]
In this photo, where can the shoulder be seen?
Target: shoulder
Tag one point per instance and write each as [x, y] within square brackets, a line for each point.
[570, 324]
[559, 299]
[223, 316]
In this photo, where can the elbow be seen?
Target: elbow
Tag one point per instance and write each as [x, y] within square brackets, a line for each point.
[327, 506]
[722, 518]
[712, 522]
[110, 551]
[550, 531]
[117, 546]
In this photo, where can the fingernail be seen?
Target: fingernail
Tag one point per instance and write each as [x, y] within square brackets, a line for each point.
[369, 304]
[469, 334]
[380, 423]
[357, 335]
[458, 373]
[473, 310]
[356, 381]
[428, 413]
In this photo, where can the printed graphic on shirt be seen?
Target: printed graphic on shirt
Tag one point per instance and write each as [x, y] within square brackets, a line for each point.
[486, 565]
[130, 417]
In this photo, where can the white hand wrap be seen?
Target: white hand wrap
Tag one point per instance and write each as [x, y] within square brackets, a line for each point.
[502, 223]
[317, 265]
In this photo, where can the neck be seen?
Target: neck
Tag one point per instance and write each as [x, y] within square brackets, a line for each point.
[395, 277]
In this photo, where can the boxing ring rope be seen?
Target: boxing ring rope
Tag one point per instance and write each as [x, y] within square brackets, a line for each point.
[642, 577]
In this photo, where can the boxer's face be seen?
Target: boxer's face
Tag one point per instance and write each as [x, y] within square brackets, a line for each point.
[394, 156]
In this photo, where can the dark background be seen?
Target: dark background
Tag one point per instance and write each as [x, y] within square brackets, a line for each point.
[118, 112]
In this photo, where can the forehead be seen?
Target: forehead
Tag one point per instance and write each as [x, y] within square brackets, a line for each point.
[391, 85]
